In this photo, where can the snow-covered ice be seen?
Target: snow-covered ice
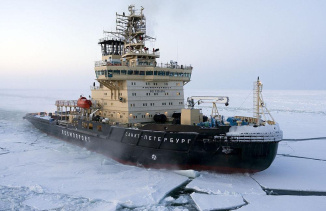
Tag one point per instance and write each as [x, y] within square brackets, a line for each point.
[287, 173]
[226, 184]
[288, 203]
[310, 149]
[217, 202]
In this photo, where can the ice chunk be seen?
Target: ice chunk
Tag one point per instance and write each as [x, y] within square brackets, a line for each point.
[300, 148]
[44, 202]
[188, 173]
[227, 184]
[217, 202]
[294, 174]
[271, 203]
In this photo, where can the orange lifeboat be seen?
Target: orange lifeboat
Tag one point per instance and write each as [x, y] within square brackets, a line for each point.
[84, 103]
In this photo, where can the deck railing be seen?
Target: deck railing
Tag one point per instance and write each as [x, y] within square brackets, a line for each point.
[144, 64]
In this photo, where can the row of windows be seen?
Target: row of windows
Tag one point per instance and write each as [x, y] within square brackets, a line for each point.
[148, 83]
[148, 116]
[153, 104]
[110, 73]
[156, 93]
[147, 94]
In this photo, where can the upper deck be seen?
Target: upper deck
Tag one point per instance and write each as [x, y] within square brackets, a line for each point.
[163, 72]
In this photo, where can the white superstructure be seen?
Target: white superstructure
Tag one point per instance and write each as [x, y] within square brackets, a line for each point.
[133, 86]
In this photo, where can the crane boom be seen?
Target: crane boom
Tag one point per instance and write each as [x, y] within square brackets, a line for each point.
[192, 101]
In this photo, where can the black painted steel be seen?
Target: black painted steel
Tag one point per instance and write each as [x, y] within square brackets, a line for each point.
[166, 146]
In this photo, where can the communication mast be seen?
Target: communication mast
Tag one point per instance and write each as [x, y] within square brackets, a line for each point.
[260, 108]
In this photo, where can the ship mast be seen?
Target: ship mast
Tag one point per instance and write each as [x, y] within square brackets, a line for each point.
[131, 29]
[259, 106]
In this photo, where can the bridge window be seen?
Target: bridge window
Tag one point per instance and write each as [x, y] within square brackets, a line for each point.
[123, 72]
[142, 73]
[130, 72]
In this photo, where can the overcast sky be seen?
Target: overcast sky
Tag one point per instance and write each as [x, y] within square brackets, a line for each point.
[51, 44]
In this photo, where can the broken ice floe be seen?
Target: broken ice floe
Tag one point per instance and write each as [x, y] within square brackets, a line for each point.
[288, 173]
[227, 184]
[217, 202]
[309, 149]
[272, 203]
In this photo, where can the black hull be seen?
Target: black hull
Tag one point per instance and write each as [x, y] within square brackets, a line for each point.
[163, 147]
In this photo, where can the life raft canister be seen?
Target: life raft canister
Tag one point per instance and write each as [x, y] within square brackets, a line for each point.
[84, 103]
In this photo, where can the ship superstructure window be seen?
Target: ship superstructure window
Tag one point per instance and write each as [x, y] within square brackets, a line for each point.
[156, 93]
[180, 103]
[123, 72]
[178, 93]
[148, 94]
[166, 93]
[152, 104]
[133, 94]
[178, 84]
[132, 105]
[163, 103]
[155, 84]
[170, 103]
[133, 83]
[147, 83]
[144, 104]
[166, 83]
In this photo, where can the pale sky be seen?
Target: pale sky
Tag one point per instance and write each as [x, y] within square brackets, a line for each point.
[53, 44]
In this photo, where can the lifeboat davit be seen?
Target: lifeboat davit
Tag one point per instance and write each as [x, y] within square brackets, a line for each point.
[84, 103]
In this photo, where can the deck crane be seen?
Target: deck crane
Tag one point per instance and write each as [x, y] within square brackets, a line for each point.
[192, 101]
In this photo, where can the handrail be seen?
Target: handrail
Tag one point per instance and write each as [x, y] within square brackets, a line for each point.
[161, 65]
